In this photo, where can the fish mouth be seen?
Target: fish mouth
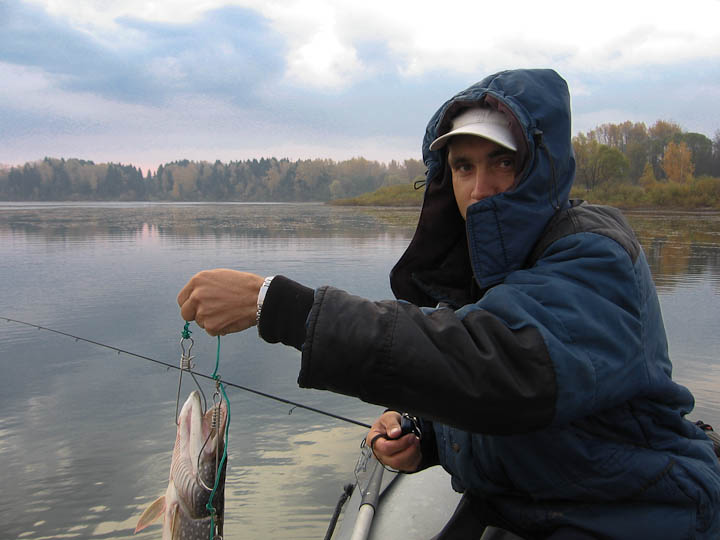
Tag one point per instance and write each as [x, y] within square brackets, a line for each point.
[204, 431]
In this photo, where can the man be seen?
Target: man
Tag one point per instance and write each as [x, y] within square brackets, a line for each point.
[528, 336]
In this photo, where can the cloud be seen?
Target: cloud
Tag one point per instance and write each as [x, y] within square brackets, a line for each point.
[228, 51]
[324, 62]
[319, 44]
[421, 37]
[323, 38]
[72, 58]
[229, 79]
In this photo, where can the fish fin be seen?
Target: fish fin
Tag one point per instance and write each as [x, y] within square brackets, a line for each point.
[151, 513]
[175, 523]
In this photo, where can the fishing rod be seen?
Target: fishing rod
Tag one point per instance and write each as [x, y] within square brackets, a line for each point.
[209, 377]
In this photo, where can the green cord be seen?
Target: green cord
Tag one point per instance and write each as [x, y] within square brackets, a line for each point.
[185, 331]
[209, 505]
[217, 361]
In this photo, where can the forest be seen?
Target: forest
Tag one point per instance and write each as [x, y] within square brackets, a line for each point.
[624, 164]
[266, 179]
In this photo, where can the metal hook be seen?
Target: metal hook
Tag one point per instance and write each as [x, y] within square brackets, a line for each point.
[187, 365]
[362, 461]
[214, 429]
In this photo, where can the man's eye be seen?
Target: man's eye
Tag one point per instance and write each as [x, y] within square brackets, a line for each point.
[507, 163]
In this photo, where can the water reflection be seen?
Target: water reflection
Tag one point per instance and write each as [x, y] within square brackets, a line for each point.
[147, 222]
[681, 247]
[298, 477]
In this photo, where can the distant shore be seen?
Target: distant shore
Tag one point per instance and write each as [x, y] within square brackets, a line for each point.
[402, 195]
[702, 195]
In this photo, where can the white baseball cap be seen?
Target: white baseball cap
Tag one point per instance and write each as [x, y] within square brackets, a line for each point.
[482, 122]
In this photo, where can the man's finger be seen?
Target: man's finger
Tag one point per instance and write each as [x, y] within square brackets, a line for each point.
[187, 311]
[391, 422]
[391, 447]
[184, 293]
[402, 454]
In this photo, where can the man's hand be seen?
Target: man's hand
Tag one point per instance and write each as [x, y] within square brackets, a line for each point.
[402, 454]
[221, 301]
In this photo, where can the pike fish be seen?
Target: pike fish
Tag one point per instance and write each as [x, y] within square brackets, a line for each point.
[192, 477]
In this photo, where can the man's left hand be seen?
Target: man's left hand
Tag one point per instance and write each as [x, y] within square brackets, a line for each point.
[390, 448]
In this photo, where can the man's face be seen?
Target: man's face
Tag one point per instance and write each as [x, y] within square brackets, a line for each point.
[480, 168]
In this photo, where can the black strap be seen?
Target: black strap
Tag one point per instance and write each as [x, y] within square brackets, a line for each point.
[375, 438]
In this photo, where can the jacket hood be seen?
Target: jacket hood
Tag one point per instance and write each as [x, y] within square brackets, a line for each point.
[446, 252]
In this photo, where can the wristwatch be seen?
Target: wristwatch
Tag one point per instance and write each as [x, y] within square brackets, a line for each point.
[261, 298]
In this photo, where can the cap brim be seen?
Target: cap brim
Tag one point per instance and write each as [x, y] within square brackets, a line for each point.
[484, 130]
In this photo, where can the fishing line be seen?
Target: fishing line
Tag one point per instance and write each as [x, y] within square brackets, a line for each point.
[218, 469]
[209, 377]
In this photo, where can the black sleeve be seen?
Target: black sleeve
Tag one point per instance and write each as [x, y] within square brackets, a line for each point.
[284, 312]
[474, 373]
[428, 446]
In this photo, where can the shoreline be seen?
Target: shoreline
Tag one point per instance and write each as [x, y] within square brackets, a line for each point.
[399, 205]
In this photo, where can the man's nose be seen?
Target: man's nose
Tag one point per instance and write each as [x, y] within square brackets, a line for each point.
[483, 186]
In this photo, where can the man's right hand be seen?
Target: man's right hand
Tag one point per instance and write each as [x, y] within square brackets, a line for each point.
[401, 453]
[221, 300]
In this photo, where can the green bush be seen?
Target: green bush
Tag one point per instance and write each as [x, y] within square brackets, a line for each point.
[703, 192]
[398, 195]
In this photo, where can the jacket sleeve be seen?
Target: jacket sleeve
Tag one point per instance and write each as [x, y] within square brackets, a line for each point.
[474, 373]
[553, 343]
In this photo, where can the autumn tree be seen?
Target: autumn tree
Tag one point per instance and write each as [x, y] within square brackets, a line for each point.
[415, 169]
[278, 179]
[357, 175]
[715, 165]
[701, 149]
[612, 165]
[660, 135]
[647, 179]
[312, 179]
[619, 135]
[677, 162]
[584, 147]
[596, 163]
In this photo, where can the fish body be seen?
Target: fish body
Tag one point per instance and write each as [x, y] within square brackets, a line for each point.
[198, 452]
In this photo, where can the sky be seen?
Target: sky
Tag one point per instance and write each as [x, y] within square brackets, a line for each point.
[149, 82]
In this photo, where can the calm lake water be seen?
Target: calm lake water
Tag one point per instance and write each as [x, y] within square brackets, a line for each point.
[86, 434]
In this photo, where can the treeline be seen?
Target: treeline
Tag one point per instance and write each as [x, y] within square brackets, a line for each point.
[268, 179]
[627, 162]
[632, 153]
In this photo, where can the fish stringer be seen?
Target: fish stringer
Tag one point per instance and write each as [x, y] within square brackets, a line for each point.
[216, 527]
[216, 523]
[186, 364]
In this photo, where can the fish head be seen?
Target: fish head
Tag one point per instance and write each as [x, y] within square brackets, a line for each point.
[200, 441]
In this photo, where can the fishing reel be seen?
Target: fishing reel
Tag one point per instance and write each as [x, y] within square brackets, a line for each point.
[410, 424]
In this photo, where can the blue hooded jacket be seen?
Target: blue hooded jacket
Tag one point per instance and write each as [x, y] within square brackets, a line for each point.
[528, 338]
[616, 456]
